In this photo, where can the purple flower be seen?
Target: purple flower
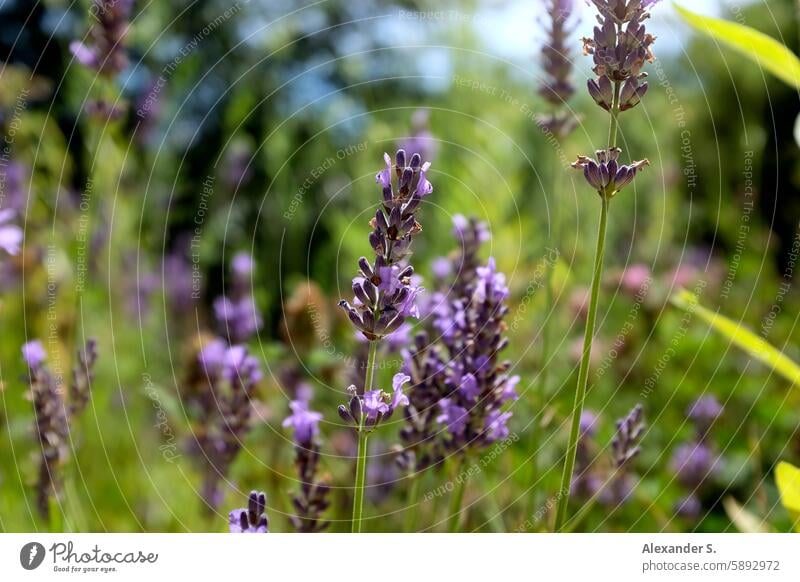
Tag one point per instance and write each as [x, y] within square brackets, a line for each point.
[588, 425]
[496, 425]
[105, 50]
[625, 445]
[305, 422]
[469, 387]
[606, 174]
[242, 265]
[441, 268]
[10, 234]
[693, 463]
[212, 356]
[53, 413]
[689, 507]
[33, 353]
[238, 319]
[374, 404]
[220, 401]
[453, 416]
[398, 397]
[252, 519]
[704, 411]
[620, 46]
[461, 374]
[556, 59]
[491, 284]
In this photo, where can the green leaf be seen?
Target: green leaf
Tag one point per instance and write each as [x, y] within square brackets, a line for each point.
[745, 521]
[757, 46]
[742, 337]
[787, 478]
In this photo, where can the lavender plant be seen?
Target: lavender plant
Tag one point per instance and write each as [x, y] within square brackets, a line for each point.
[220, 397]
[460, 385]
[557, 88]
[619, 47]
[311, 501]
[55, 409]
[250, 519]
[697, 461]
[609, 481]
[385, 298]
[104, 49]
[237, 314]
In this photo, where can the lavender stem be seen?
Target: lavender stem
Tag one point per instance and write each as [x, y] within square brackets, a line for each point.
[361, 459]
[458, 498]
[411, 510]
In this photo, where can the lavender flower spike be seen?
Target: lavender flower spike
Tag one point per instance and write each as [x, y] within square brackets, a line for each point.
[54, 413]
[253, 518]
[105, 50]
[311, 500]
[620, 46]
[625, 445]
[556, 58]
[384, 292]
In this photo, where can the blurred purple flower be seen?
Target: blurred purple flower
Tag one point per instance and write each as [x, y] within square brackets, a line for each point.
[105, 49]
[693, 463]
[34, 354]
[10, 234]
[305, 422]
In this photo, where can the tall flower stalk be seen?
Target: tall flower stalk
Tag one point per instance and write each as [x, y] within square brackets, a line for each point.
[56, 409]
[620, 47]
[385, 297]
[311, 501]
[557, 124]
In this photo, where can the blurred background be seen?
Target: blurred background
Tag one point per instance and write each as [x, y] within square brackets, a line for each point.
[257, 127]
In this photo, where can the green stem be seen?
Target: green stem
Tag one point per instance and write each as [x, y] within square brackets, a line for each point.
[411, 509]
[457, 500]
[583, 372]
[588, 336]
[361, 459]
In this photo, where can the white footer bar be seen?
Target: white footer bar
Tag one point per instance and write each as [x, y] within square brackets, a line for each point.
[401, 558]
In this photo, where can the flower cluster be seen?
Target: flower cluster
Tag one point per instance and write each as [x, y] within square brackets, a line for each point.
[620, 46]
[250, 519]
[311, 501]
[237, 315]
[105, 50]
[605, 174]
[459, 385]
[54, 413]
[696, 461]
[556, 58]
[366, 411]
[219, 396]
[610, 479]
[384, 291]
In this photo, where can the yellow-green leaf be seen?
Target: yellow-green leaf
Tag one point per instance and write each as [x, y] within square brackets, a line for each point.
[761, 48]
[787, 477]
[742, 337]
[745, 521]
